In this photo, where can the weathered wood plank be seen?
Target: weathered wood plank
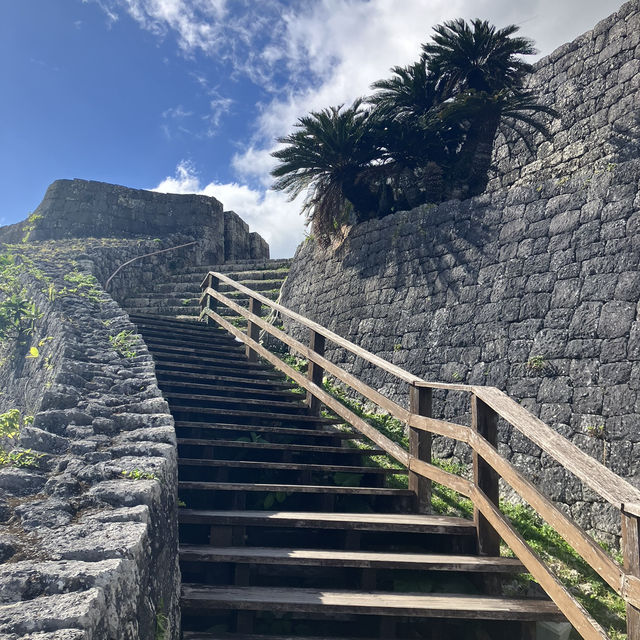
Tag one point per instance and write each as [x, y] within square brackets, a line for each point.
[378, 603]
[449, 480]
[420, 447]
[360, 559]
[308, 448]
[577, 615]
[221, 635]
[212, 397]
[399, 522]
[484, 422]
[291, 488]
[250, 428]
[276, 417]
[253, 330]
[315, 371]
[288, 466]
[440, 427]
[631, 553]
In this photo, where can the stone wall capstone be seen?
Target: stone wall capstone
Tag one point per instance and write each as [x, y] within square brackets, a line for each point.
[532, 287]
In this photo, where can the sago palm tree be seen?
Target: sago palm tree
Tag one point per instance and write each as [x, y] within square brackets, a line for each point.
[478, 56]
[514, 112]
[481, 75]
[324, 159]
[406, 111]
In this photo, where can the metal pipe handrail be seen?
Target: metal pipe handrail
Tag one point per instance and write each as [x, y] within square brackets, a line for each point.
[146, 255]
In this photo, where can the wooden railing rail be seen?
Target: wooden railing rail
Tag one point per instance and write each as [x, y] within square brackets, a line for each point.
[488, 404]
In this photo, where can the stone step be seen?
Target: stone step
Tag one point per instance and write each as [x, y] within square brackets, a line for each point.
[198, 274]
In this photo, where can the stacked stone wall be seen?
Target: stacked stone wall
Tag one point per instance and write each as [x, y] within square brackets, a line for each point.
[89, 535]
[532, 287]
[593, 83]
[89, 209]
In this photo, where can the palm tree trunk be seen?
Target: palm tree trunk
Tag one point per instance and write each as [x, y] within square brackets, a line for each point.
[471, 173]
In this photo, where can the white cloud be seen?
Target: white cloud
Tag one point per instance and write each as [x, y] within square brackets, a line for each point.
[219, 106]
[345, 46]
[310, 55]
[254, 163]
[268, 212]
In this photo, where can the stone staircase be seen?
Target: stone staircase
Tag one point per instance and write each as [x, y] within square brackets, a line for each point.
[179, 294]
[288, 528]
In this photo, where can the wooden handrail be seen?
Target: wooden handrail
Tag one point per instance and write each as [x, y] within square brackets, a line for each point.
[596, 476]
[329, 335]
[483, 491]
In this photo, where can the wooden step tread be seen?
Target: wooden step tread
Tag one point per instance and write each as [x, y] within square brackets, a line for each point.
[197, 635]
[207, 352]
[205, 371]
[283, 395]
[223, 361]
[187, 485]
[288, 466]
[184, 377]
[204, 397]
[309, 448]
[378, 603]
[358, 559]
[399, 522]
[276, 417]
[186, 335]
[286, 431]
[173, 346]
[164, 321]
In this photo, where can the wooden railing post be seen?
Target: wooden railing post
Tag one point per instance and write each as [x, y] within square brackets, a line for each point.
[210, 282]
[420, 399]
[314, 371]
[253, 330]
[631, 554]
[484, 421]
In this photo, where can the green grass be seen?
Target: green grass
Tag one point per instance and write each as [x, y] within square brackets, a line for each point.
[11, 423]
[123, 344]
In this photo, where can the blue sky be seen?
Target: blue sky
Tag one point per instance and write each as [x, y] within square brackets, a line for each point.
[189, 95]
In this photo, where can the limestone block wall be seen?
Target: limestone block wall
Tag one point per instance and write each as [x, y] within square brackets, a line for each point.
[534, 291]
[593, 83]
[90, 209]
[532, 287]
[88, 536]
